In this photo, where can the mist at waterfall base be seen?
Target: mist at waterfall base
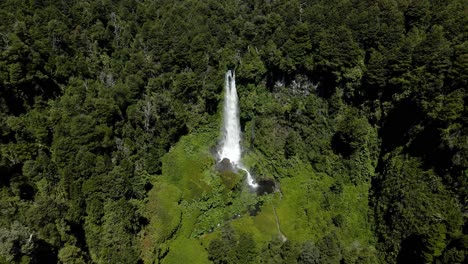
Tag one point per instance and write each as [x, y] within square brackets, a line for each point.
[230, 144]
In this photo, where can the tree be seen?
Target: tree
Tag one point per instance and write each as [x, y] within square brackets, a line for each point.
[422, 232]
[351, 136]
[246, 249]
[330, 251]
[16, 241]
[71, 254]
[251, 67]
[310, 254]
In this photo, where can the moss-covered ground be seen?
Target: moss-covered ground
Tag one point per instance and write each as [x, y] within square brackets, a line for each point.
[191, 203]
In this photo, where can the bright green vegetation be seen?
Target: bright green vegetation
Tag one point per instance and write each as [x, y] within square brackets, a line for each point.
[194, 212]
[355, 109]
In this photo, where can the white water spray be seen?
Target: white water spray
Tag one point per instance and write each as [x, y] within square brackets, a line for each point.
[231, 148]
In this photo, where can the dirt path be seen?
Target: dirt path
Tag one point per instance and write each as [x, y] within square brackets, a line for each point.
[281, 235]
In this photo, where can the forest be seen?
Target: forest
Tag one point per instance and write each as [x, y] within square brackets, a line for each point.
[353, 111]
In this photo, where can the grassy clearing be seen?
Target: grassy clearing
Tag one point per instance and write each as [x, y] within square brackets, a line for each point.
[186, 250]
[185, 165]
[191, 202]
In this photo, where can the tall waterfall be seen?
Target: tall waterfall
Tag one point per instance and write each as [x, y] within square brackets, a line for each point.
[231, 148]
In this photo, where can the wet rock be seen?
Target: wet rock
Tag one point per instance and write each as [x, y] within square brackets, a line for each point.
[225, 165]
[266, 187]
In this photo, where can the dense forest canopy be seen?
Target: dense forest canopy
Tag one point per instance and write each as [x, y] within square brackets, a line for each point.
[355, 109]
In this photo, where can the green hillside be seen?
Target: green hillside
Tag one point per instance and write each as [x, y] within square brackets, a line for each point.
[353, 117]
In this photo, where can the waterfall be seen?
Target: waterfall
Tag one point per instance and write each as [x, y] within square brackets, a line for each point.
[231, 148]
[230, 145]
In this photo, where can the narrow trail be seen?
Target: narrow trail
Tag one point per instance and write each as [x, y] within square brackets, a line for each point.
[281, 235]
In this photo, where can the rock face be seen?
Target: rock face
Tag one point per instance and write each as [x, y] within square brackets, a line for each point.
[228, 173]
[225, 165]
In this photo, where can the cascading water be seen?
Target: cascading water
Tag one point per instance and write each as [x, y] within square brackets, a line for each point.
[230, 145]
[231, 125]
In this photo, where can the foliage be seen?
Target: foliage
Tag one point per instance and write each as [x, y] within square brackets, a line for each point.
[355, 110]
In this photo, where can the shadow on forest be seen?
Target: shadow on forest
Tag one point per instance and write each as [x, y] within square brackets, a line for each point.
[411, 249]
